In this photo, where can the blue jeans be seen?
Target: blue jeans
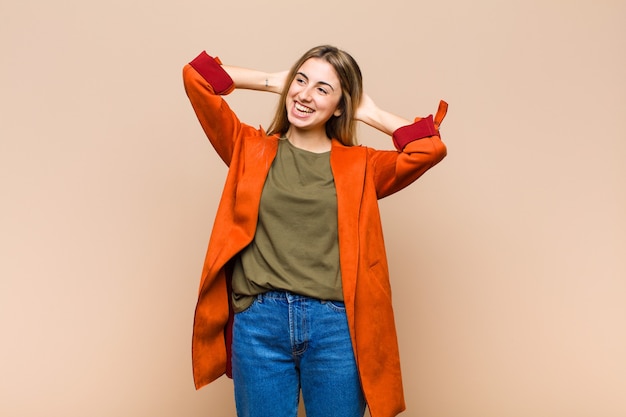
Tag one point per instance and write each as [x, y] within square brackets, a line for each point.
[284, 343]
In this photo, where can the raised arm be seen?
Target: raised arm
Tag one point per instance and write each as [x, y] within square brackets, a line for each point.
[418, 148]
[251, 79]
[402, 130]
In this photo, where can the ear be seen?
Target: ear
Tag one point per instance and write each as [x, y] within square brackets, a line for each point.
[338, 112]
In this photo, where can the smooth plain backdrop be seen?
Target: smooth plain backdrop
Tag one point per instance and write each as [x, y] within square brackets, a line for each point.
[510, 289]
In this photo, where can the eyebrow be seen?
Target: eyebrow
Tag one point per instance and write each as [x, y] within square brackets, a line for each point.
[319, 82]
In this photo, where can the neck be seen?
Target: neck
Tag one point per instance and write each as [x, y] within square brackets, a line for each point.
[312, 141]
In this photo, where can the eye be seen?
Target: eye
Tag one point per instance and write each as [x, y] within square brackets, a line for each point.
[300, 80]
[322, 90]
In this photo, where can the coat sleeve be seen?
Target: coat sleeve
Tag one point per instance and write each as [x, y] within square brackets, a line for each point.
[205, 83]
[418, 148]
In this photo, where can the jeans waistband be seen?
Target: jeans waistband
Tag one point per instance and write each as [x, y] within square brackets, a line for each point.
[282, 295]
[290, 297]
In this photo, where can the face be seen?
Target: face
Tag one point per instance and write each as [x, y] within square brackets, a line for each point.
[313, 95]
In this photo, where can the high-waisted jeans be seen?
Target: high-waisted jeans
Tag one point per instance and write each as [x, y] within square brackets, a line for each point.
[284, 343]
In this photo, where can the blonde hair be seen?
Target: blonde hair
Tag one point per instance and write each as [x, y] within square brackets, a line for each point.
[342, 127]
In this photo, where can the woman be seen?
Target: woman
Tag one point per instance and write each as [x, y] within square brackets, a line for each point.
[294, 294]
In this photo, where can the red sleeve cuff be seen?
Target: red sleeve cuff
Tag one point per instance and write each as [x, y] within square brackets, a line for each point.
[211, 70]
[423, 128]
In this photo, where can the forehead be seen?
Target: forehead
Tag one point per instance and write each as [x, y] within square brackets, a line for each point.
[317, 69]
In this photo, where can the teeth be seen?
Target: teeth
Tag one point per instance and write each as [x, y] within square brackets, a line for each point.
[303, 109]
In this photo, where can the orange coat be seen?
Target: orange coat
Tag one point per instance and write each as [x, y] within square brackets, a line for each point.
[362, 176]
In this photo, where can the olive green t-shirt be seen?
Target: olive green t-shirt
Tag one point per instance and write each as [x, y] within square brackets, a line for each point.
[295, 247]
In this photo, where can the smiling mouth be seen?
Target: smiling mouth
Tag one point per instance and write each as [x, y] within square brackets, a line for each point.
[303, 109]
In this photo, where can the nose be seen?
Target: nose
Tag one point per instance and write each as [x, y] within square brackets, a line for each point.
[304, 94]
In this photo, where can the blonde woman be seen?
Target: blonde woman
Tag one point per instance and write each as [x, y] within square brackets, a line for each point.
[295, 294]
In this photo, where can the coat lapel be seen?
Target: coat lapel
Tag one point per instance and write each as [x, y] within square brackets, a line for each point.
[348, 166]
[241, 197]
[259, 153]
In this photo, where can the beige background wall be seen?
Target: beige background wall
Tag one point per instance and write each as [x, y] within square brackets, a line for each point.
[510, 291]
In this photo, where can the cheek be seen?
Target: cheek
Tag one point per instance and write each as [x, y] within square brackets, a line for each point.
[291, 94]
[293, 88]
[288, 97]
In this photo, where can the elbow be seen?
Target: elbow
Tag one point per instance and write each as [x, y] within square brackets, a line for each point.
[440, 149]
